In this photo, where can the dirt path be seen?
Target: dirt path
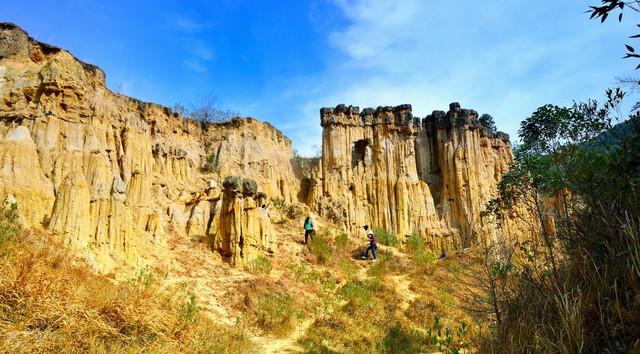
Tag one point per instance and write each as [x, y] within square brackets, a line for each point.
[289, 344]
[402, 288]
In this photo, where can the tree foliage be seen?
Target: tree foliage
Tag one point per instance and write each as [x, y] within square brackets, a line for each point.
[573, 168]
[608, 7]
[487, 121]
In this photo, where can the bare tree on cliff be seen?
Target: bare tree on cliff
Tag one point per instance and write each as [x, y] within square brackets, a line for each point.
[206, 111]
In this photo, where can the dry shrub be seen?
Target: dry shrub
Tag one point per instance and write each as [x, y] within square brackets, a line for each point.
[270, 307]
[50, 303]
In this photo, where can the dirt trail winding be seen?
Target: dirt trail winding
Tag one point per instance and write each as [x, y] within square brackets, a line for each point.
[288, 344]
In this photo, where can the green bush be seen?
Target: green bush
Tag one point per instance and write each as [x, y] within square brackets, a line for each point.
[401, 340]
[385, 237]
[212, 164]
[259, 265]
[341, 239]
[189, 309]
[279, 203]
[360, 292]
[446, 340]
[424, 257]
[8, 228]
[320, 248]
[416, 247]
[415, 243]
[143, 279]
[275, 313]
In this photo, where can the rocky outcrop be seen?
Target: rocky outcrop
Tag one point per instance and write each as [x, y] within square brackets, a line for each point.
[109, 174]
[369, 172]
[242, 229]
[429, 176]
[462, 162]
[252, 149]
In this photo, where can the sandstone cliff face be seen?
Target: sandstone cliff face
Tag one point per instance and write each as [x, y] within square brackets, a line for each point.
[108, 173]
[430, 176]
[256, 150]
[111, 175]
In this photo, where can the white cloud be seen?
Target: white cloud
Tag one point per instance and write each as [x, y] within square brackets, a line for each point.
[188, 25]
[498, 57]
[198, 51]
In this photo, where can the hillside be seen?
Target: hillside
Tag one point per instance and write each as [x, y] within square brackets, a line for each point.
[184, 235]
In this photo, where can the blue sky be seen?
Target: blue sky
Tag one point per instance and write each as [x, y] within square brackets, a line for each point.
[280, 61]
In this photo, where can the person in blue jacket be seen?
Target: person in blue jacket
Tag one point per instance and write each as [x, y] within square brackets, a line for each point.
[308, 229]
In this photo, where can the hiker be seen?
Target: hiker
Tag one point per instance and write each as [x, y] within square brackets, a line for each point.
[373, 243]
[308, 229]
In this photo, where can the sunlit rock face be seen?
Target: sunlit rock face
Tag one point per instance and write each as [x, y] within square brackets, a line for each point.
[430, 176]
[110, 174]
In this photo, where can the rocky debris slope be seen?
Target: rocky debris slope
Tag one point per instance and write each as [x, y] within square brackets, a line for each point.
[110, 174]
[430, 176]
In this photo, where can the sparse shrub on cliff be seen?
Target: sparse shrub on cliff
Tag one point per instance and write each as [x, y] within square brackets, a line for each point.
[291, 211]
[208, 111]
[211, 165]
[386, 237]
[487, 121]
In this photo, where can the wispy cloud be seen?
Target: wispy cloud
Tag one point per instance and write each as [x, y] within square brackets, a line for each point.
[195, 65]
[199, 48]
[188, 25]
[198, 51]
[500, 58]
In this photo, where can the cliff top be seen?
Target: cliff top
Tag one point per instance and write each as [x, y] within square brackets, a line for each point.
[16, 41]
[402, 117]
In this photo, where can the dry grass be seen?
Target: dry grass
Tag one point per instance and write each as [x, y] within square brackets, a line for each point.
[378, 314]
[49, 303]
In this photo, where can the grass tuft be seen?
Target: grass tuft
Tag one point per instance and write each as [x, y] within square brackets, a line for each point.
[386, 237]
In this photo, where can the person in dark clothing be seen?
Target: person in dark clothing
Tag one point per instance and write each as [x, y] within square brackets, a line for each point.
[308, 229]
[373, 243]
[443, 255]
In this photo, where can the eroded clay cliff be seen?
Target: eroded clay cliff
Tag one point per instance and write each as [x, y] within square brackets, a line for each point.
[110, 174]
[389, 169]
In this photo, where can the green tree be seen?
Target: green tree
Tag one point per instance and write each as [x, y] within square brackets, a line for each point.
[588, 185]
[487, 121]
[607, 7]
